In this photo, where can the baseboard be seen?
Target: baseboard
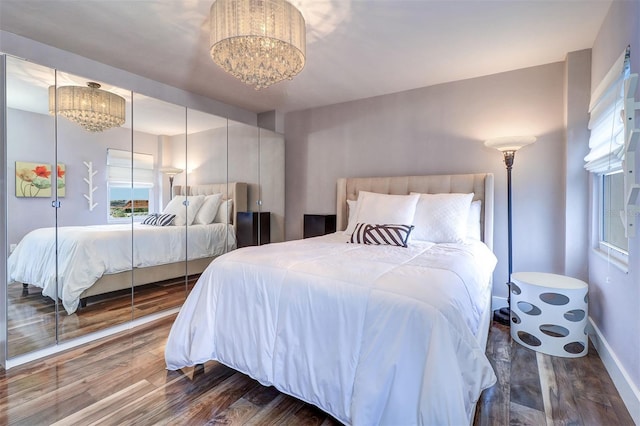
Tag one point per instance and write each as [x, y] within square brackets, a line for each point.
[498, 302]
[626, 388]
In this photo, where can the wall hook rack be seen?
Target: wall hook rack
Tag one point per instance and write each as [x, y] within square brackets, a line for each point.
[89, 182]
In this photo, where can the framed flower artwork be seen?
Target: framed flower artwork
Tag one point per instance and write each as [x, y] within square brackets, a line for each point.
[35, 179]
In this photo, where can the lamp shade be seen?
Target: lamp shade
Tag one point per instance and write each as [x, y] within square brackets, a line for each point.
[510, 143]
[260, 42]
[171, 171]
[89, 106]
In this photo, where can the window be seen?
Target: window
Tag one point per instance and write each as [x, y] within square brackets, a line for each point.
[130, 184]
[612, 199]
[606, 157]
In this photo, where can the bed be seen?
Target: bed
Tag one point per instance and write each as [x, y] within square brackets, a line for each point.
[95, 260]
[371, 334]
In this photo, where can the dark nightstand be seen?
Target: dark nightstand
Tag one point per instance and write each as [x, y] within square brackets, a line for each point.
[319, 224]
[248, 225]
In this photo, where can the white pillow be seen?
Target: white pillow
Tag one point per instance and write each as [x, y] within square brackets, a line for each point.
[442, 218]
[351, 212]
[209, 209]
[184, 216]
[473, 222]
[224, 212]
[383, 209]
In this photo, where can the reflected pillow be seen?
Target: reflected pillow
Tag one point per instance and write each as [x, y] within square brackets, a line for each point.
[224, 212]
[184, 215]
[209, 209]
[442, 218]
[165, 219]
[392, 235]
[151, 219]
[383, 208]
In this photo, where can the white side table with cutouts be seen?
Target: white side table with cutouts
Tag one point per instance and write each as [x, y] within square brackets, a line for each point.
[549, 313]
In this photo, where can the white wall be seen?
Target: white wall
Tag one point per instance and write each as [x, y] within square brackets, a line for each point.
[441, 130]
[615, 295]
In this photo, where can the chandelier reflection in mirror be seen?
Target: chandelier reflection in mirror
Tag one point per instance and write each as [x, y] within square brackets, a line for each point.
[260, 42]
[92, 108]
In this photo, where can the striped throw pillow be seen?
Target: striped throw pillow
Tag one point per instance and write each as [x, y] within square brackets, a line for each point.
[151, 219]
[165, 219]
[393, 235]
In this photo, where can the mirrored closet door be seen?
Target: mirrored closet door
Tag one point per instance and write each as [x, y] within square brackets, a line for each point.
[31, 214]
[211, 232]
[94, 225]
[159, 246]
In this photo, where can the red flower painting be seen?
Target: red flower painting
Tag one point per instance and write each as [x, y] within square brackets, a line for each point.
[34, 179]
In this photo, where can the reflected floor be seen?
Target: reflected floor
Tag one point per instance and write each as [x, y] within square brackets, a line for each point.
[32, 321]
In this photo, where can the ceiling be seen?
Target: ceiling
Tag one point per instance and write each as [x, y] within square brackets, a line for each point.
[355, 48]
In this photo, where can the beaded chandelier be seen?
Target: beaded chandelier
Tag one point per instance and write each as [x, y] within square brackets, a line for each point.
[92, 108]
[260, 42]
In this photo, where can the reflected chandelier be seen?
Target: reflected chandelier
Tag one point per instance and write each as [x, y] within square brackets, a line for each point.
[92, 108]
[260, 42]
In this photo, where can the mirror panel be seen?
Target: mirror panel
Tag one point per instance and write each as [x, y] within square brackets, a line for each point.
[31, 315]
[208, 236]
[244, 166]
[97, 204]
[159, 248]
[272, 181]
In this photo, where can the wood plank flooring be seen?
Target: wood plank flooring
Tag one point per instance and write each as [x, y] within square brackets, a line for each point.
[538, 389]
[32, 319]
[122, 380]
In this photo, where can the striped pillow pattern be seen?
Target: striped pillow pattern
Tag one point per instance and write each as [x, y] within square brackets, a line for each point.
[151, 219]
[393, 235]
[165, 219]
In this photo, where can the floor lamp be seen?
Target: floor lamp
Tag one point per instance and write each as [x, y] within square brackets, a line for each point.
[171, 172]
[508, 146]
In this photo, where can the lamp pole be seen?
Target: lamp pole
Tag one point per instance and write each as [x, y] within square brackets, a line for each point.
[508, 146]
[171, 176]
[503, 315]
[171, 172]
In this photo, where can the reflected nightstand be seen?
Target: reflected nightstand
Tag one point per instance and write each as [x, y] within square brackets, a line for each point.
[249, 223]
[319, 224]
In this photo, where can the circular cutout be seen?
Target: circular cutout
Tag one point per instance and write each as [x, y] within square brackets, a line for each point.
[575, 315]
[515, 289]
[529, 339]
[515, 318]
[554, 330]
[529, 308]
[574, 348]
[555, 299]
[586, 298]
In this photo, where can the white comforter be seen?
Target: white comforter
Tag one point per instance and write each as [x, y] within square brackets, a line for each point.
[370, 334]
[85, 253]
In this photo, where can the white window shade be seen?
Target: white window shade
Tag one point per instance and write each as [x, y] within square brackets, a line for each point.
[606, 143]
[129, 169]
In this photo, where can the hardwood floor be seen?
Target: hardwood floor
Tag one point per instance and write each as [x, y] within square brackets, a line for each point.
[538, 389]
[32, 319]
[122, 380]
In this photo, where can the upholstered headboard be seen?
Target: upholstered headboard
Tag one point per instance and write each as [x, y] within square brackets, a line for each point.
[480, 184]
[237, 191]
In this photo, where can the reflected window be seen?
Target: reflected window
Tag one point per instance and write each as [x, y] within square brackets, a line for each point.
[125, 202]
[130, 184]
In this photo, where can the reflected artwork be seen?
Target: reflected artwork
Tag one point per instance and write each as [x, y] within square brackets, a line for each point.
[35, 179]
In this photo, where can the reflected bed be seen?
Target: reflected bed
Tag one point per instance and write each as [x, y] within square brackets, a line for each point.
[94, 260]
